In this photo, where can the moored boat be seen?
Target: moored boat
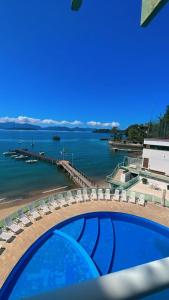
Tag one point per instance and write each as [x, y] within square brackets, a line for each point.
[31, 161]
[9, 153]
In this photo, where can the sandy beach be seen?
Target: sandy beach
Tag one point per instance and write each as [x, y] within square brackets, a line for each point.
[9, 207]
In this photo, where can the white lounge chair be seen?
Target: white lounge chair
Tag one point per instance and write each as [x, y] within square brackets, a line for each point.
[34, 213]
[11, 225]
[79, 197]
[85, 195]
[54, 203]
[23, 218]
[107, 195]
[70, 198]
[124, 196]
[141, 200]
[116, 196]
[93, 195]
[132, 198]
[6, 236]
[62, 200]
[100, 194]
[44, 207]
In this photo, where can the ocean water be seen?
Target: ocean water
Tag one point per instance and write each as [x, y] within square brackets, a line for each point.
[20, 180]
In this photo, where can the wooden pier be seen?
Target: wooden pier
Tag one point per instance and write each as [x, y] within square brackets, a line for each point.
[76, 175]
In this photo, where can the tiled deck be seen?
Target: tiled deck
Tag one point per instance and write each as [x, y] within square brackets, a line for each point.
[146, 189]
[16, 249]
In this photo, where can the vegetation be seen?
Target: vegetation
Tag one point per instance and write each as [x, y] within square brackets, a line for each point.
[56, 138]
[160, 128]
[136, 133]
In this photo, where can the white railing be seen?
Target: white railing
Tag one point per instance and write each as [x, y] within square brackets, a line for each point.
[133, 283]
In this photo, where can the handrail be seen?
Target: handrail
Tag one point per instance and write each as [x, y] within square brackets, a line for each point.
[133, 283]
[115, 170]
[154, 175]
[129, 183]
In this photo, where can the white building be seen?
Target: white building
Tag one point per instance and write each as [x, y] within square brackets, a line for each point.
[156, 155]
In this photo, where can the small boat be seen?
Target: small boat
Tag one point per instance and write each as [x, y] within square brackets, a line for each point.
[31, 161]
[20, 157]
[9, 153]
[41, 153]
[14, 156]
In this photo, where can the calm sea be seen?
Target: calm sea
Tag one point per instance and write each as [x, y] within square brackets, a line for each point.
[19, 180]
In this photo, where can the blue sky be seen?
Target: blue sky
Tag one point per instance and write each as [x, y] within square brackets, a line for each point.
[95, 65]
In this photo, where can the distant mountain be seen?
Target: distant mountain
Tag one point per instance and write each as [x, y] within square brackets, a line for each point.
[17, 126]
[64, 128]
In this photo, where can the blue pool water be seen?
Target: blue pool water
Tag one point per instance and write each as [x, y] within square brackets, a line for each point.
[86, 247]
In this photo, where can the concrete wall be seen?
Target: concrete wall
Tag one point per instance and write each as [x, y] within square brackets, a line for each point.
[158, 160]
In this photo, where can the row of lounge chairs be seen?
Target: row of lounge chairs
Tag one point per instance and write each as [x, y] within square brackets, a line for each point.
[131, 198]
[13, 227]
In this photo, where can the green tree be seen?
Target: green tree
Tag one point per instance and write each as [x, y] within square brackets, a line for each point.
[136, 133]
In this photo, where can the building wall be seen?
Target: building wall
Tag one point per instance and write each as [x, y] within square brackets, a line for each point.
[158, 160]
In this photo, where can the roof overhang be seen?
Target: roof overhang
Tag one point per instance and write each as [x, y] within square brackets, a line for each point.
[149, 9]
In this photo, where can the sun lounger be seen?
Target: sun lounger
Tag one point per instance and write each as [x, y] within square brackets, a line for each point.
[45, 208]
[116, 196]
[141, 200]
[85, 195]
[54, 203]
[107, 194]
[62, 200]
[6, 236]
[132, 198]
[100, 194]
[70, 198]
[11, 225]
[93, 195]
[124, 196]
[79, 197]
[24, 219]
[34, 213]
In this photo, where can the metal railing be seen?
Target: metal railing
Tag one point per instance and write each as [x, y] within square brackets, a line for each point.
[149, 198]
[131, 182]
[110, 177]
[154, 176]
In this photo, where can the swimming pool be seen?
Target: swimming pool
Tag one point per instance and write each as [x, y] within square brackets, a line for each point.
[85, 247]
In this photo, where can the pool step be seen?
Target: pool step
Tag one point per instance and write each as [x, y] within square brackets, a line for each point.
[90, 235]
[96, 236]
[103, 254]
[74, 229]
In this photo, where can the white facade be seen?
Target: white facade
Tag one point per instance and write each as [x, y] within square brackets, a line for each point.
[156, 155]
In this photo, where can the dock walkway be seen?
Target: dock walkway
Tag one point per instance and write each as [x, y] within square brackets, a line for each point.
[76, 175]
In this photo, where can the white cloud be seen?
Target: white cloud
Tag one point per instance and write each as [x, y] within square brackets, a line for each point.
[97, 124]
[24, 119]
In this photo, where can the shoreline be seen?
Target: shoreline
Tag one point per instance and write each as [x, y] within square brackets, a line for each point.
[10, 206]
